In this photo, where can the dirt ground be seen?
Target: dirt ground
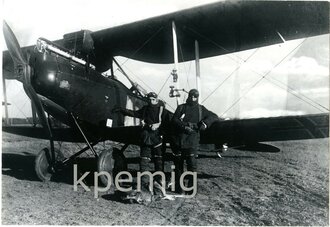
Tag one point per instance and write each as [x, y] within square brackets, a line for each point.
[289, 187]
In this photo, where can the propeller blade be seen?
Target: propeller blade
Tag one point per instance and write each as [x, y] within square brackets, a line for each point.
[13, 45]
[36, 100]
[8, 68]
[19, 59]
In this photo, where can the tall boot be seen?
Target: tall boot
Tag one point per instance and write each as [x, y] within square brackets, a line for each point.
[192, 167]
[179, 166]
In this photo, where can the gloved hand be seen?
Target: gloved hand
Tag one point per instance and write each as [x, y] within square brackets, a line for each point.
[117, 109]
[142, 123]
[193, 126]
[154, 126]
[188, 130]
[201, 126]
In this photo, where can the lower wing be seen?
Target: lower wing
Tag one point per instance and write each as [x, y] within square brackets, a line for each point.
[127, 135]
[249, 131]
[232, 132]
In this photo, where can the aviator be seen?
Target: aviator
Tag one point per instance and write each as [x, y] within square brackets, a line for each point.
[74, 98]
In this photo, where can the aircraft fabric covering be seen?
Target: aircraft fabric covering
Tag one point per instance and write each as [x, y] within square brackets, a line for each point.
[220, 28]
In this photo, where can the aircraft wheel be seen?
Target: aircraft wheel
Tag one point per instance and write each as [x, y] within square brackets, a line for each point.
[42, 164]
[111, 161]
[105, 162]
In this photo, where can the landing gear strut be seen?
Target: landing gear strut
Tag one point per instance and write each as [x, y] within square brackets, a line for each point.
[50, 160]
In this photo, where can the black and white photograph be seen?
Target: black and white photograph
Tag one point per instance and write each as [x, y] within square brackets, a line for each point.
[174, 113]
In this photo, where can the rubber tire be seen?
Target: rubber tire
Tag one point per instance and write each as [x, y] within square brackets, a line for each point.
[42, 163]
[105, 162]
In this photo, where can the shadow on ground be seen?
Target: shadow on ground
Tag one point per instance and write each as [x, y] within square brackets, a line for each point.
[21, 166]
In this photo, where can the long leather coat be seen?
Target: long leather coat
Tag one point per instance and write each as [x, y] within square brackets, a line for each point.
[190, 113]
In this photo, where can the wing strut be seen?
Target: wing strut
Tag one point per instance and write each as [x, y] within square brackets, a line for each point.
[5, 100]
[174, 88]
[198, 71]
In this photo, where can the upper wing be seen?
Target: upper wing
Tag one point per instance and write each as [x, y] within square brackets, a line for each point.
[220, 28]
[249, 131]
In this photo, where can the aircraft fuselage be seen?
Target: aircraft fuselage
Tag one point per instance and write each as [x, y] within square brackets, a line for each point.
[80, 90]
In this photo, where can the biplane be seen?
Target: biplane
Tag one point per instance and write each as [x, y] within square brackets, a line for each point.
[65, 78]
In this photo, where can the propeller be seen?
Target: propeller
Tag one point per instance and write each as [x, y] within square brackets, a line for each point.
[24, 70]
[13, 45]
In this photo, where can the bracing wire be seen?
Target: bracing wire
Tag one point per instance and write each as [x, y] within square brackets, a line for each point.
[145, 43]
[127, 59]
[187, 71]
[239, 99]
[8, 84]
[299, 94]
[136, 76]
[188, 75]
[137, 50]
[230, 75]
[20, 110]
[290, 89]
[214, 43]
[151, 89]
[258, 81]
[164, 84]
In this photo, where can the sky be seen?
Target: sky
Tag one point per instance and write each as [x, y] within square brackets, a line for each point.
[231, 86]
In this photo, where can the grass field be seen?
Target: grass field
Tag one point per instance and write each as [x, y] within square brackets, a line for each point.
[289, 187]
